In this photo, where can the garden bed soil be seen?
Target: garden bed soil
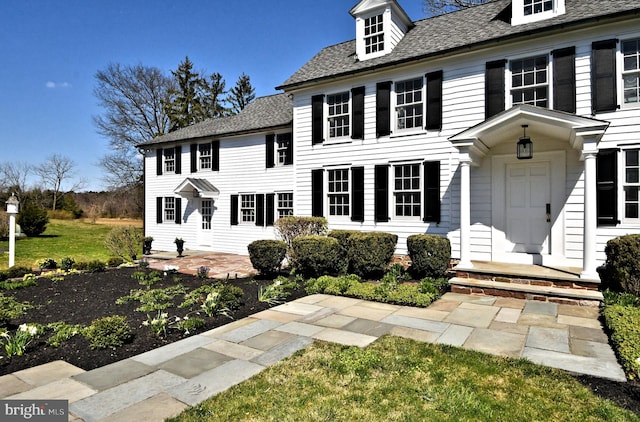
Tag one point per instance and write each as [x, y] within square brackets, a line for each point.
[82, 298]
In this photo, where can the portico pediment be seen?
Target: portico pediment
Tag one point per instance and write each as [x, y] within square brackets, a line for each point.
[197, 188]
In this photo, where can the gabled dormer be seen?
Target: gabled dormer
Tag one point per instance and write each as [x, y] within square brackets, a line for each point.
[380, 25]
[527, 11]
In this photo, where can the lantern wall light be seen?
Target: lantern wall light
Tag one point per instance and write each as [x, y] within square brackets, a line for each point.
[525, 146]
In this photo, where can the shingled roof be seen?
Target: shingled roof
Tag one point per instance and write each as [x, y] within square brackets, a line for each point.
[264, 113]
[445, 34]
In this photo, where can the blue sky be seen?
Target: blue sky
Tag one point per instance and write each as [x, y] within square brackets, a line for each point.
[51, 50]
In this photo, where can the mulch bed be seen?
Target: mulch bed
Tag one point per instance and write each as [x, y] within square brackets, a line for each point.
[82, 298]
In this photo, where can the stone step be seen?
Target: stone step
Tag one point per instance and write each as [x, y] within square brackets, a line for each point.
[570, 296]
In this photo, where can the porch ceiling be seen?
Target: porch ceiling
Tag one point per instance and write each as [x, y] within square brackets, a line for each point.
[542, 122]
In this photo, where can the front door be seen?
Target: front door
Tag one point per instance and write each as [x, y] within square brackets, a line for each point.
[206, 214]
[528, 200]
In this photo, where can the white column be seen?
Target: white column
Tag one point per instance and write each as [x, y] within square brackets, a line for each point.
[590, 218]
[12, 239]
[465, 213]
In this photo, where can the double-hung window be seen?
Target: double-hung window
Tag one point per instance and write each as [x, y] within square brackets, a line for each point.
[532, 7]
[338, 105]
[374, 34]
[248, 208]
[338, 192]
[409, 104]
[631, 184]
[285, 204]
[631, 71]
[530, 81]
[169, 209]
[205, 156]
[406, 192]
[284, 151]
[169, 160]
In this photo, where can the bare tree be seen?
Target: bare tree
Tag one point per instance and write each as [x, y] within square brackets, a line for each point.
[14, 176]
[132, 98]
[439, 7]
[55, 171]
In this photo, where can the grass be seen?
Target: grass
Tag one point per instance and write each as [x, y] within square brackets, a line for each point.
[82, 241]
[397, 379]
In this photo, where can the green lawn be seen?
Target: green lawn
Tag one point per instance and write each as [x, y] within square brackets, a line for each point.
[79, 240]
[396, 379]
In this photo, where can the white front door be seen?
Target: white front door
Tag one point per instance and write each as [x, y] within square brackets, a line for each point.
[528, 209]
[206, 214]
[528, 196]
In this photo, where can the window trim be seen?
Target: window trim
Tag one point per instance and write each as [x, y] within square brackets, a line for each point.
[620, 72]
[201, 156]
[327, 118]
[394, 107]
[169, 212]
[279, 208]
[622, 184]
[329, 194]
[420, 191]
[509, 82]
[241, 208]
[166, 161]
[379, 16]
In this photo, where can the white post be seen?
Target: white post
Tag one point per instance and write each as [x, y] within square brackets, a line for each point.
[590, 218]
[465, 213]
[12, 240]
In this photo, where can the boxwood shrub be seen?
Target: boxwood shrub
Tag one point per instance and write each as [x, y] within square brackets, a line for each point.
[344, 239]
[430, 255]
[267, 255]
[621, 271]
[371, 252]
[316, 255]
[108, 332]
[625, 335]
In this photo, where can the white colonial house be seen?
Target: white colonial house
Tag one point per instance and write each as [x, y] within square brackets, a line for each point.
[512, 128]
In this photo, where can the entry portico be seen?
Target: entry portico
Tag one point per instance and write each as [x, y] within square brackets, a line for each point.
[530, 220]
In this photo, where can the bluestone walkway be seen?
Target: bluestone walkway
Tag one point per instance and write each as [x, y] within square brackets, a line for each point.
[163, 382]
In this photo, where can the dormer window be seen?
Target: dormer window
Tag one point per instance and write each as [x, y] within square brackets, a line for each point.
[537, 6]
[374, 34]
[527, 11]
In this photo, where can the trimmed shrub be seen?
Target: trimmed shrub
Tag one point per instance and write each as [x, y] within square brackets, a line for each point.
[430, 255]
[114, 261]
[344, 239]
[32, 219]
[370, 253]
[316, 255]
[96, 266]
[289, 228]
[111, 331]
[621, 271]
[267, 255]
[125, 242]
[625, 335]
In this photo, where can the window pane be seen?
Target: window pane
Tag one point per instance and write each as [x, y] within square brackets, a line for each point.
[631, 210]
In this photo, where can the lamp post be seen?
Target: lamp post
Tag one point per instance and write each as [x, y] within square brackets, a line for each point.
[12, 209]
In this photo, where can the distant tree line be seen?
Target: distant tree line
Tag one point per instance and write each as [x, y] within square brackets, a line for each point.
[141, 102]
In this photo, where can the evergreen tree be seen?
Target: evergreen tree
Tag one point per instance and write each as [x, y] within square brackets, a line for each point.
[241, 95]
[212, 101]
[185, 107]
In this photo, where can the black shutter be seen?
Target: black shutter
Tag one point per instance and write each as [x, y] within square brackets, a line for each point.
[194, 158]
[270, 209]
[260, 209]
[381, 195]
[357, 110]
[317, 196]
[270, 142]
[383, 106]
[178, 155]
[494, 88]
[317, 120]
[607, 187]
[432, 191]
[288, 159]
[215, 156]
[159, 161]
[564, 79]
[434, 100]
[159, 209]
[357, 194]
[603, 76]
[178, 203]
[234, 210]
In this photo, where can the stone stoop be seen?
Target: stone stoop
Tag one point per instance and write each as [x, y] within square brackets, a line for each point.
[563, 290]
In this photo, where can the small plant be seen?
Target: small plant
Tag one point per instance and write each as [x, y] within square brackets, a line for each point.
[96, 266]
[62, 332]
[108, 332]
[16, 345]
[12, 309]
[158, 324]
[114, 261]
[27, 281]
[203, 272]
[143, 263]
[46, 264]
[66, 263]
[147, 279]
[277, 291]
[187, 324]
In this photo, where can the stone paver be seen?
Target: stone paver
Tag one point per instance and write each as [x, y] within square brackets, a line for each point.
[162, 382]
